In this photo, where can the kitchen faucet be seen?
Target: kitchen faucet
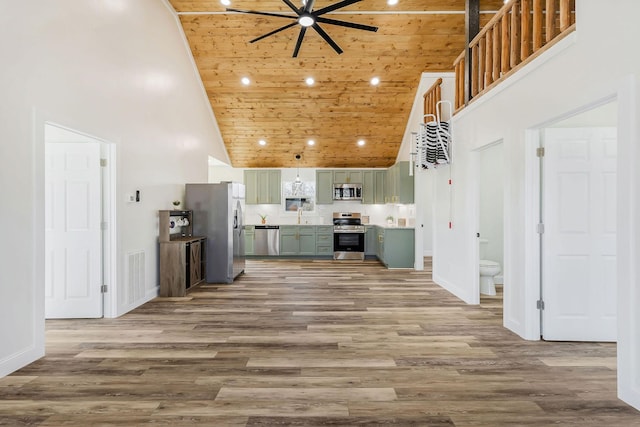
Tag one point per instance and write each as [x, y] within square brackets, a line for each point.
[299, 214]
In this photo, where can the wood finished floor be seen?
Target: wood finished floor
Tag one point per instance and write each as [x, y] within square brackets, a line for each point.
[304, 343]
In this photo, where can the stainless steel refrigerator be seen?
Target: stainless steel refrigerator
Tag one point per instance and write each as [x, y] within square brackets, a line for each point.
[218, 216]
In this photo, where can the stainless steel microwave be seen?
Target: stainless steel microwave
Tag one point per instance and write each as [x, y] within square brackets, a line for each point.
[347, 191]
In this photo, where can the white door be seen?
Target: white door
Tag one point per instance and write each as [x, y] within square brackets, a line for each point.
[73, 262]
[579, 239]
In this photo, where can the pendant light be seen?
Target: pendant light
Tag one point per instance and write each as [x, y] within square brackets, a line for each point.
[297, 185]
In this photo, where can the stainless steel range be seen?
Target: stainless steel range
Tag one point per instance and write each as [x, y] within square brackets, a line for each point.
[348, 236]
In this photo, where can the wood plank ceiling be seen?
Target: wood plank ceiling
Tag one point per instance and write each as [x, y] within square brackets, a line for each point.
[342, 106]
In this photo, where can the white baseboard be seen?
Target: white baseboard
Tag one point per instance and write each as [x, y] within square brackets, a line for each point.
[151, 294]
[19, 360]
[452, 289]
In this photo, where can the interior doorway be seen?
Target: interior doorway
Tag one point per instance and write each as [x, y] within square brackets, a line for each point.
[78, 210]
[490, 230]
[578, 227]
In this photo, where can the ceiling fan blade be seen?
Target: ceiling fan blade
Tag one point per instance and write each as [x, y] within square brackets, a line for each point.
[347, 24]
[293, 24]
[336, 6]
[303, 30]
[326, 37]
[308, 7]
[293, 6]
[254, 12]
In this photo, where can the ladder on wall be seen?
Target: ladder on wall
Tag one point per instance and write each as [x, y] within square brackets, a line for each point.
[433, 141]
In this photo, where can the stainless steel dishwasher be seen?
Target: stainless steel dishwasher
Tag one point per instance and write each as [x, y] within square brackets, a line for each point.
[267, 240]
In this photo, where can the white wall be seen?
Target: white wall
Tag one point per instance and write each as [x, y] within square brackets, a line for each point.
[581, 70]
[424, 180]
[117, 70]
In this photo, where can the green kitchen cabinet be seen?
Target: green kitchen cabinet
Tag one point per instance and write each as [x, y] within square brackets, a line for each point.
[397, 247]
[347, 176]
[324, 240]
[296, 240]
[380, 177]
[263, 186]
[324, 187]
[370, 240]
[379, 233]
[249, 239]
[399, 184]
[373, 184]
[368, 187]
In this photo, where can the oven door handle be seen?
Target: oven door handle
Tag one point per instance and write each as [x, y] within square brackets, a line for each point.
[348, 232]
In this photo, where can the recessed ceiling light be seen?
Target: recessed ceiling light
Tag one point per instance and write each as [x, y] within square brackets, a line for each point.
[361, 143]
[392, 2]
[311, 142]
[226, 2]
[309, 81]
[262, 142]
[245, 81]
[375, 81]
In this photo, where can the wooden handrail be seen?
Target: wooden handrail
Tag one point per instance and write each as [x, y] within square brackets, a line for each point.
[520, 30]
[432, 96]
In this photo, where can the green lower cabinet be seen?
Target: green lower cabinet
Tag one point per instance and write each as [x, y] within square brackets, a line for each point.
[289, 242]
[307, 239]
[370, 240]
[324, 240]
[296, 240]
[380, 243]
[397, 247]
[249, 239]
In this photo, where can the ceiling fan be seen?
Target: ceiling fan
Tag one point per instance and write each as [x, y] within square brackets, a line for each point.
[307, 17]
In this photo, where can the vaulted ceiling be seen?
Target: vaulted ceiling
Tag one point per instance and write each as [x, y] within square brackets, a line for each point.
[341, 107]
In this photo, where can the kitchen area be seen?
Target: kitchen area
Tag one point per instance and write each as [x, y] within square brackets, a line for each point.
[342, 214]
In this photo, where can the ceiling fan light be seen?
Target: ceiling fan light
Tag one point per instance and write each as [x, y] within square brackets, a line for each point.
[306, 20]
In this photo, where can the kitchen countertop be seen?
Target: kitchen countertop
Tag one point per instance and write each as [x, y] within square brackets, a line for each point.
[385, 226]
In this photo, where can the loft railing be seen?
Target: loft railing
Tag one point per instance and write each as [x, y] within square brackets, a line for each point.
[518, 33]
[431, 99]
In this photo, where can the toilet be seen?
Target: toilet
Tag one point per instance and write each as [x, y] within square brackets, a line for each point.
[488, 270]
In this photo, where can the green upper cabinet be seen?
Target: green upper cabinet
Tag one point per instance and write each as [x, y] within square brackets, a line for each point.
[368, 187]
[399, 184]
[262, 186]
[373, 186]
[346, 176]
[380, 179]
[324, 187]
